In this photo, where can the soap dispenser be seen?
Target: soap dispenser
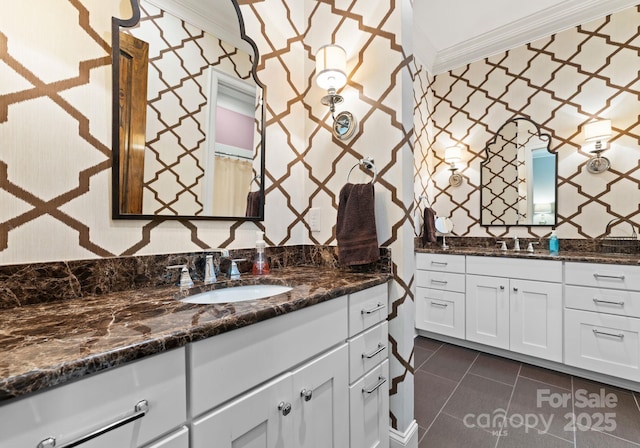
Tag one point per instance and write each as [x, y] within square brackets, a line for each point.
[260, 264]
[554, 244]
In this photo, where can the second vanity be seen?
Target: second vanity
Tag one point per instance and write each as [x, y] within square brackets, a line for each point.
[287, 370]
[569, 313]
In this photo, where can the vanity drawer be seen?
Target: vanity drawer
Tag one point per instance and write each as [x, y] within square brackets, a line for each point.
[227, 365]
[440, 312]
[367, 308]
[611, 301]
[440, 280]
[541, 270]
[603, 343]
[368, 350]
[71, 412]
[440, 262]
[603, 275]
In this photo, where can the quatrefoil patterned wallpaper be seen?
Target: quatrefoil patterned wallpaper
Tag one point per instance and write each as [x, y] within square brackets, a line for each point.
[55, 135]
[561, 82]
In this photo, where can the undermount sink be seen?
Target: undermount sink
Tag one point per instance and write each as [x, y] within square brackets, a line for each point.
[237, 294]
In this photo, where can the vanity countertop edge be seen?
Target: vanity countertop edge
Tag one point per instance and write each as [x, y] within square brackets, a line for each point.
[585, 257]
[51, 344]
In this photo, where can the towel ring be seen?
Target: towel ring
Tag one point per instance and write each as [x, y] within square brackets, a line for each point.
[255, 179]
[367, 162]
[426, 198]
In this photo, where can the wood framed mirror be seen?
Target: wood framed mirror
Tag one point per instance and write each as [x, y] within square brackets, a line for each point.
[188, 121]
[518, 177]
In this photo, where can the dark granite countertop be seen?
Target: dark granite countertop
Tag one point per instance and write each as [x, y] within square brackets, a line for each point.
[582, 256]
[49, 344]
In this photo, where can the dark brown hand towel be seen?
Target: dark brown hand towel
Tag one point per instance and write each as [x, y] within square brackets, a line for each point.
[356, 226]
[429, 226]
[253, 204]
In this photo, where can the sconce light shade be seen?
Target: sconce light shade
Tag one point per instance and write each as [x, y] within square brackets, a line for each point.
[331, 67]
[453, 154]
[598, 132]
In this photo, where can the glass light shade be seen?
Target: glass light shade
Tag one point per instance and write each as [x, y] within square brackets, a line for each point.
[453, 154]
[331, 67]
[597, 130]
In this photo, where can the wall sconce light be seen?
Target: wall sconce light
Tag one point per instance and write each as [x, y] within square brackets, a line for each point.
[331, 75]
[542, 209]
[598, 132]
[453, 155]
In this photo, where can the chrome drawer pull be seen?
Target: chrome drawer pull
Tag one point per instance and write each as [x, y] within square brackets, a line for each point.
[441, 282]
[442, 305]
[373, 310]
[617, 277]
[604, 333]
[439, 263]
[380, 348]
[140, 410]
[608, 302]
[381, 381]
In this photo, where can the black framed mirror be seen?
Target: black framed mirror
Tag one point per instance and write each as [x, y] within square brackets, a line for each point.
[188, 113]
[518, 177]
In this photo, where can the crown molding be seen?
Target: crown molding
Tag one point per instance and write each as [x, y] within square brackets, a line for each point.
[528, 29]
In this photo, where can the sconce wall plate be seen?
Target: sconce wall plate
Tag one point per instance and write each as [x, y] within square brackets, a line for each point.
[598, 164]
[455, 180]
[344, 125]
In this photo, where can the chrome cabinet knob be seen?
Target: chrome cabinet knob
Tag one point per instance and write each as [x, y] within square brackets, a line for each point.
[285, 408]
[306, 394]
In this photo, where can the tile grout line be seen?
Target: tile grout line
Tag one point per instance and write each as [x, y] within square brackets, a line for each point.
[513, 391]
[451, 394]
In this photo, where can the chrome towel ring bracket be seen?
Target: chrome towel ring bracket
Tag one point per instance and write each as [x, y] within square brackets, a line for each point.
[368, 164]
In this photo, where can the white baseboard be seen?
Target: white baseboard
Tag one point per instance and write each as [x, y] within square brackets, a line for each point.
[407, 439]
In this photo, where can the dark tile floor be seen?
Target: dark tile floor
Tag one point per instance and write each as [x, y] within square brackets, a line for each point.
[465, 398]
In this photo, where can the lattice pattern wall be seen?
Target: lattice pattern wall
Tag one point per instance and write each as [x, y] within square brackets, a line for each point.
[561, 82]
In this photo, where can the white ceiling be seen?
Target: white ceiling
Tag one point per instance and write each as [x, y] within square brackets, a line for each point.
[451, 33]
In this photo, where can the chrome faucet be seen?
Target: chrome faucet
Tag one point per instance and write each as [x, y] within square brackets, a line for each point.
[185, 281]
[211, 269]
[516, 244]
[503, 245]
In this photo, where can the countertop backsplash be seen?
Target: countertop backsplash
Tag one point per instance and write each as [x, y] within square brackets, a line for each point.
[35, 283]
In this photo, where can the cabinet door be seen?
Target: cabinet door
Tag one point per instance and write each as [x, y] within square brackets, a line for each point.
[369, 409]
[536, 319]
[321, 403]
[487, 310]
[256, 419]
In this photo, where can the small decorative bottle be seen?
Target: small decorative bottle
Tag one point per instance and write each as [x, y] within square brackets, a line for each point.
[260, 264]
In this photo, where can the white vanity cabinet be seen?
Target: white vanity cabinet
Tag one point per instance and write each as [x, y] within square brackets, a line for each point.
[287, 381]
[69, 413]
[515, 305]
[369, 368]
[440, 294]
[299, 409]
[602, 318]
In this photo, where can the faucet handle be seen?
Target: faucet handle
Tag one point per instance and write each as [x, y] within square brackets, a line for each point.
[185, 278]
[530, 246]
[503, 245]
